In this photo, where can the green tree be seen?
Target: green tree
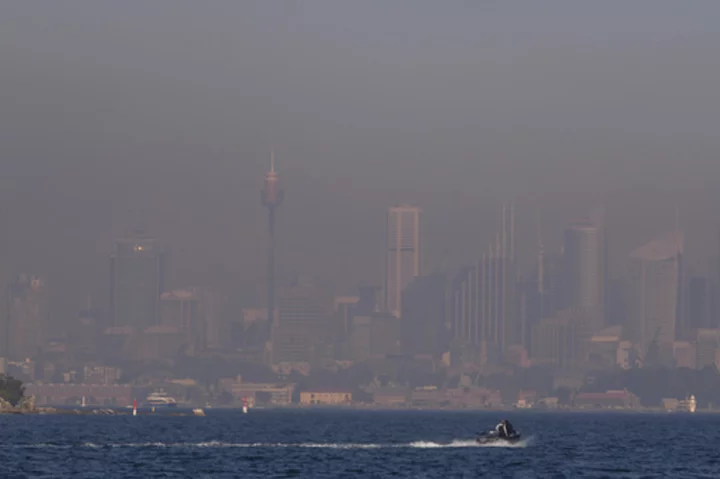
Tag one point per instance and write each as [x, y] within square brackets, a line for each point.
[11, 389]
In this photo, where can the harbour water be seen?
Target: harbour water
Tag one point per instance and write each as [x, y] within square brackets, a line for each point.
[344, 443]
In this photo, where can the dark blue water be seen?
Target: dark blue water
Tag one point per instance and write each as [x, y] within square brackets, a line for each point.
[319, 444]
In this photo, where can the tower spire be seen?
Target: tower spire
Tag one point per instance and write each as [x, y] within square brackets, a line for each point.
[272, 197]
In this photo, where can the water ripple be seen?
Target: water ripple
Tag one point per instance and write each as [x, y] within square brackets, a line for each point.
[329, 444]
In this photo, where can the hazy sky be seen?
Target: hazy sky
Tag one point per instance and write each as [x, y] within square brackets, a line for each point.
[162, 114]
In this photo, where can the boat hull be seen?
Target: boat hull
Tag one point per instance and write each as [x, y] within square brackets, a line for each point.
[160, 405]
[498, 440]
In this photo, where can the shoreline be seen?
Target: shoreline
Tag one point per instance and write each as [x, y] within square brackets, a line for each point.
[187, 411]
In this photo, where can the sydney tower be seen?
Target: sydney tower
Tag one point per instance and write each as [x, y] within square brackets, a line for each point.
[272, 197]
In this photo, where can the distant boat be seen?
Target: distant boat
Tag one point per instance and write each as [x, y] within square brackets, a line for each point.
[689, 404]
[198, 412]
[160, 399]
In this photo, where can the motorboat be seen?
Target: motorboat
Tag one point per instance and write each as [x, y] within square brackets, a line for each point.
[494, 438]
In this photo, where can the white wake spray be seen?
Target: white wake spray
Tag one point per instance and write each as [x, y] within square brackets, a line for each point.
[457, 443]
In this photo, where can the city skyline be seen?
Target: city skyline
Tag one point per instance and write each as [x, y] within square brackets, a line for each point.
[481, 199]
[185, 162]
[489, 316]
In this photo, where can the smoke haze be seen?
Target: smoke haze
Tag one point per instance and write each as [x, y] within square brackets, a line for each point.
[162, 115]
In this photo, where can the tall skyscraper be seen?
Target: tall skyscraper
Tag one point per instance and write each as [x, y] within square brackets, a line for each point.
[369, 300]
[653, 301]
[583, 263]
[137, 281]
[180, 310]
[272, 197]
[699, 306]
[484, 297]
[27, 321]
[403, 253]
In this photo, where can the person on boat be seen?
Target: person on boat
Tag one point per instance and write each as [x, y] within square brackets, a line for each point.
[505, 430]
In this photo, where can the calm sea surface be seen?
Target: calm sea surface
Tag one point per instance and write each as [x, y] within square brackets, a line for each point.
[325, 443]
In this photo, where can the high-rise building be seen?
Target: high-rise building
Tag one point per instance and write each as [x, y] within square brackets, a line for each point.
[345, 307]
[369, 300]
[583, 265]
[27, 312]
[483, 297]
[303, 314]
[566, 338]
[423, 324]
[708, 347]
[654, 292]
[180, 309]
[616, 303]
[211, 312]
[553, 342]
[551, 285]
[530, 305]
[403, 254]
[137, 281]
[374, 336]
[85, 334]
[699, 306]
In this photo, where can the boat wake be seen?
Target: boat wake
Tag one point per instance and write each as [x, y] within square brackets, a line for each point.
[470, 443]
[457, 443]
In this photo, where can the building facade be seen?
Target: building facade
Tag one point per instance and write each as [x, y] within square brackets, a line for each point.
[137, 281]
[484, 298]
[303, 320]
[403, 253]
[654, 294]
[424, 322]
[583, 265]
[26, 316]
[700, 306]
[325, 397]
[180, 310]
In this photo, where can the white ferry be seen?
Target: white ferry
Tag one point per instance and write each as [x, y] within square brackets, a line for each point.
[689, 404]
[160, 399]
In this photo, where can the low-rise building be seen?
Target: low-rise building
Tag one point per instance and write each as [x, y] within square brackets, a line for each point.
[611, 399]
[259, 393]
[685, 354]
[390, 397]
[526, 399]
[548, 403]
[325, 397]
